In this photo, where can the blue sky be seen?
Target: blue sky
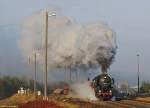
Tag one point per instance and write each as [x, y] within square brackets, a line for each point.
[130, 19]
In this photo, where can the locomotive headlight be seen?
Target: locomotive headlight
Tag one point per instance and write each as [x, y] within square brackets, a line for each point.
[110, 91]
[100, 91]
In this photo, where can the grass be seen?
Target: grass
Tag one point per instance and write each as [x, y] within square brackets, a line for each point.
[143, 99]
[17, 99]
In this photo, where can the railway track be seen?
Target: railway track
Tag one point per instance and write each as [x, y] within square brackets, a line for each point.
[87, 104]
[108, 104]
[118, 104]
[115, 104]
[142, 101]
[135, 104]
[129, 104]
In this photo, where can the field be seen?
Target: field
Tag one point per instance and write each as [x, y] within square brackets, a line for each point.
[23, 101]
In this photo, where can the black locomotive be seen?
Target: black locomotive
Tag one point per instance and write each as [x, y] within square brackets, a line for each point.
[103, 86]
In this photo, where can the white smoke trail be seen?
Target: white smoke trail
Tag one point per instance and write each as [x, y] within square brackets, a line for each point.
[83, 90]
[70, 43]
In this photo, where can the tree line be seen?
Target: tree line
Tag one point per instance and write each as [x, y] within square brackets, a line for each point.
[145, 87]
[10, 85]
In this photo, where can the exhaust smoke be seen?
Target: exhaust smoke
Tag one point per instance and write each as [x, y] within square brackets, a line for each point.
[69, 43]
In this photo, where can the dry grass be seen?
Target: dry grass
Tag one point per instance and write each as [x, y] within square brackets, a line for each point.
[22, 99]
[17, 99]
[143, 99]
[67, 105]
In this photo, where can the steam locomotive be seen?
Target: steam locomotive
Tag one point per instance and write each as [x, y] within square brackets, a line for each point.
[103, 86]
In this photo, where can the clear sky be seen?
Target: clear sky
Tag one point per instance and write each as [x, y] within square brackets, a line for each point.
[130, 19]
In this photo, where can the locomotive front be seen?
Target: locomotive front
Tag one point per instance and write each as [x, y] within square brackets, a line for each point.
[103, 85]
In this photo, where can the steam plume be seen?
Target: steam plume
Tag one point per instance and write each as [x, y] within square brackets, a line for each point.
[70, 43]
[79, 91]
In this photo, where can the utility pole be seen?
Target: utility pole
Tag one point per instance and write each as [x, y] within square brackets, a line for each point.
[29, 61]
[117, 83]
[46, 52]
[70, 73]
[46, 45]
[35, 73]
[66, 76]
[76, 72]
[138, 63]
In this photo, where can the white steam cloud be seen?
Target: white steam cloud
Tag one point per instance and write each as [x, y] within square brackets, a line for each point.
[83, 90]
[69, 43]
